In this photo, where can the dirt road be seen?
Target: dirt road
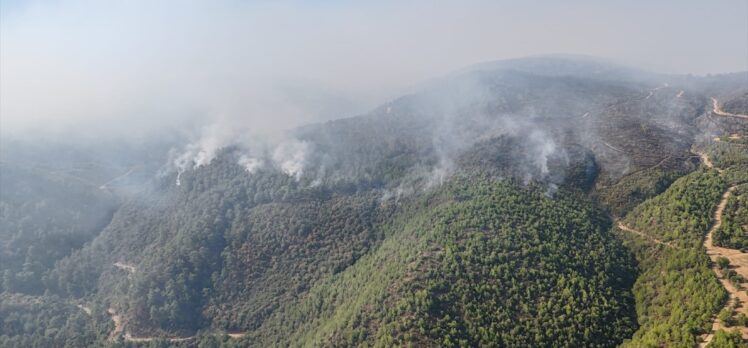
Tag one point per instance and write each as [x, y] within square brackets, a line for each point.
[644, 235]
[718, 110]
[706, 160]
[653, 90]
[104, 186]
[119, 325]
[738, 262]
[129, 268]
[85, 309]
[119, 328]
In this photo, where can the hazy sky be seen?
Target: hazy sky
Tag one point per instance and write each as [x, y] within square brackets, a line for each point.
[272, 64]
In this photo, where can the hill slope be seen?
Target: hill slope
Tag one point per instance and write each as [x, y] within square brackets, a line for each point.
[474, 212]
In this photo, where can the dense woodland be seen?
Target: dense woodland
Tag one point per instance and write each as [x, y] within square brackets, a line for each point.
[733, 233]
[44, 217]
[48, 321]
[676, 292]
[404, 292]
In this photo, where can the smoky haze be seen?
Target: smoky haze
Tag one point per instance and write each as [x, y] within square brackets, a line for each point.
[107, 68]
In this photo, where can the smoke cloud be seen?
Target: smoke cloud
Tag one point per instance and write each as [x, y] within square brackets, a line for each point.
[126, 67]
[230, 73]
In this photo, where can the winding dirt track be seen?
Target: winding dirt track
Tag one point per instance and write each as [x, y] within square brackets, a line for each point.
[125, 267]
[738, 298]
[119, 328]
[105, 185]
[706, 160]
[645, 236]
[85, 309]
[738, 262]
[652, 91]
[718, 110]
[118, 325]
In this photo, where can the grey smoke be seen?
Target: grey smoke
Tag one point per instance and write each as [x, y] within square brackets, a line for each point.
[75, 66]
[229, 73]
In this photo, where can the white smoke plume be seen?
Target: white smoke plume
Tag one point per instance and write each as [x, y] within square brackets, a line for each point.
[291, 157]
[250, 164]
[201, 152]
[284, 153]
[544, 147]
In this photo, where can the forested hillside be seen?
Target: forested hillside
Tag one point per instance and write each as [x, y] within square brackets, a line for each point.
[44, 217]
[733, 233]
[462, 265]
[676, 292]
[554, 201]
